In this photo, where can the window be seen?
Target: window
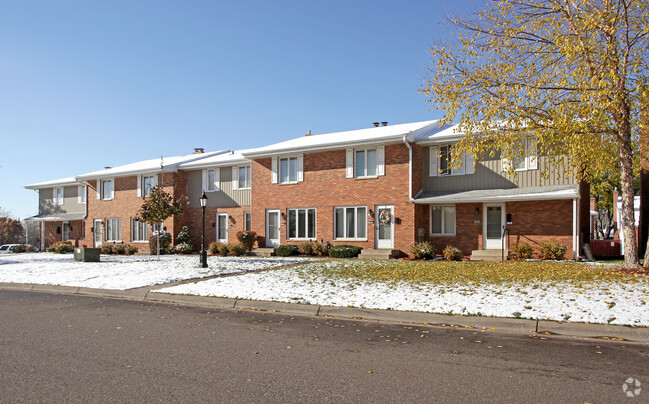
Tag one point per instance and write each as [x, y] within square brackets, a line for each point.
[522, 163]
[148, 183]
[247, 222]
[114, 229]
[82, 236]
[442, 220]
[301, 223]
[440, 161]
[363, 163]
[288, 170]
[211, 179]
[107, 191]
[58, 196]
[139, 230]
[350, 222]
[241, 177]
[81, 194]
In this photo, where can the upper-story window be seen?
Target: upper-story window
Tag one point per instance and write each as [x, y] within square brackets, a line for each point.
[241, 177]
[440, 161]
[58, 196]
[81, 193]
[107, 190]
[211, 179]
[526, 162]
[287, 170]
[365, 162]
[148, 183]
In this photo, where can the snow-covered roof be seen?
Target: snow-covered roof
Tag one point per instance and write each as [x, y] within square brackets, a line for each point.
[373, 135]
[53, 183]
[163, 164]
[445, 133]
[504, 195]
[57, 217]
[225, 159]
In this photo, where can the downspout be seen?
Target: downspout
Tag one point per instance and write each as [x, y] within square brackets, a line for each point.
[575, 226]
[405, 141]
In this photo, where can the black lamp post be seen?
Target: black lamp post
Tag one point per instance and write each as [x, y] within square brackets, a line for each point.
[203, 252]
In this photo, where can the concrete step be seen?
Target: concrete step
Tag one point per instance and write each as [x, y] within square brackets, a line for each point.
[262, 252]
[378, 254]
[488, 255]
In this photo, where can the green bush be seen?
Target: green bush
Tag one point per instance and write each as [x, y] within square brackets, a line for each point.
[423, 250]
[452, 253]
[344, 251]
[165, 243]
[553, 251]
[247, 239]
[286, 250]
[183, 237]
[520, 251]
[20, 248]
[184, 248]
[107, 249]
[119, 249]
[61, 247]
[237, 249]
[130, 250]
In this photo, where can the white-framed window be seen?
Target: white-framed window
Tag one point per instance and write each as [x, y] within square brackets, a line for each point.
[442, 220]
[350, 222]
[82, 236]
[287, 170]
[148, 183]
[81, 194]
[301, 223]
[247, 221]
[440, 161]
[139, 230]
[106, 190]
[363, 163]
[211, 179]
[528, 162]
[114, 229]
[58, 196]
[241, 177]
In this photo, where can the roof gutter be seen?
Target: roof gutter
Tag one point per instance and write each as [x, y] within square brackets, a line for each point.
[405, 141]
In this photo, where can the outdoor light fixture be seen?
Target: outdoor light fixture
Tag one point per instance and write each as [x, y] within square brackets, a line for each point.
[203, 252]
[477, 211]
[370, 213]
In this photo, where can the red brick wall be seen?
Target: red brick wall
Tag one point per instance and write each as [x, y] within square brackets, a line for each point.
[54, 232]
[325, 187]
[193, 221]
[468, 234]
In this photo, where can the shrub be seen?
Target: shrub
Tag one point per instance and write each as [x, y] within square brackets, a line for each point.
[119, 249]
[553, 251]
[165, 242]
[520, 251]
[344, 251]
[237, 249]
[218, 248]
[30, 248]
[20, 248]
[184, 248]
[422, 250]
[130, 250]
[247, 239]
[61, 247]
[286, 250]
[107, 249]
[452, 253]
[183, 237]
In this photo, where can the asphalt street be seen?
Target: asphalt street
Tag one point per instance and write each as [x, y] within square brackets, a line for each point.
[72, 348]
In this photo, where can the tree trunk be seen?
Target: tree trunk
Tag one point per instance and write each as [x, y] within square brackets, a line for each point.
[628, 220]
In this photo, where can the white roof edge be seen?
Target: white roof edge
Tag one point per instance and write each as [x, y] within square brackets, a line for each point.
[53, 183]
[330, 146]
[201, 164]
[543, 196]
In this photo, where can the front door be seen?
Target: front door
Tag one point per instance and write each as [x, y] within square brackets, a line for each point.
[66, 232]
[222, 228]
[494, 221]
[99, 233]
[272, 228]
[384, 226]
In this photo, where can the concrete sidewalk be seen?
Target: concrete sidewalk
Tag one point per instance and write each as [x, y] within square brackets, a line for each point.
[610, 332]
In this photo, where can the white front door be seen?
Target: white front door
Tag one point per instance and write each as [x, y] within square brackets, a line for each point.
[272, 228]
[222, 228]
[99, 232]
[384, 225]
[492, 230]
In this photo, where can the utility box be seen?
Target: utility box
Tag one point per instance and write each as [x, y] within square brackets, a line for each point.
[87, 254]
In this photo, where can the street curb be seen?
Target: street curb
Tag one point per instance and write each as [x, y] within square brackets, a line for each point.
[525, 326]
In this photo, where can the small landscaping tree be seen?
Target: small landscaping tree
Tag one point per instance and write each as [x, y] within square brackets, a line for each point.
[183, 236]
[157, 207]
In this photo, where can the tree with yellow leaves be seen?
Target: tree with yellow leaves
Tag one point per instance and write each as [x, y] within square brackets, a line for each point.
[567, 73]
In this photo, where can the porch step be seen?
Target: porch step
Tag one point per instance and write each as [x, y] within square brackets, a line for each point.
[488, 255]
[378, 254]
[262, 252]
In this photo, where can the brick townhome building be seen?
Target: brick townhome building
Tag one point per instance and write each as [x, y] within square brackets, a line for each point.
[383, 187]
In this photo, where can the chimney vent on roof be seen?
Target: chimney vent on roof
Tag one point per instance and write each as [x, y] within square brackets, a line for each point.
[198, 150]
[384, 123]
[376, 124]
[107, 168]
[308, 133]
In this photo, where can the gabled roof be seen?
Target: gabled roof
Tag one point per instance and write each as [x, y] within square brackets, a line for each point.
[163, 164]
[54, 183]
[225, 159]
[500, 195]
[337, 140]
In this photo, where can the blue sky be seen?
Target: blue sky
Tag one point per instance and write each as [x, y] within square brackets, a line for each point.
[88, 84]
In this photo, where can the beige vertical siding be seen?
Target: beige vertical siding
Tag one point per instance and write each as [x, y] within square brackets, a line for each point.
[70, 201]
[225, 197]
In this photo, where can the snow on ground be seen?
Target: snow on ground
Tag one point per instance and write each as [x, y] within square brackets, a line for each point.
[123, 272]
[597, 302]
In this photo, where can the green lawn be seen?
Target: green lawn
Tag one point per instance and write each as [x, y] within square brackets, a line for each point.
[443, 272]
